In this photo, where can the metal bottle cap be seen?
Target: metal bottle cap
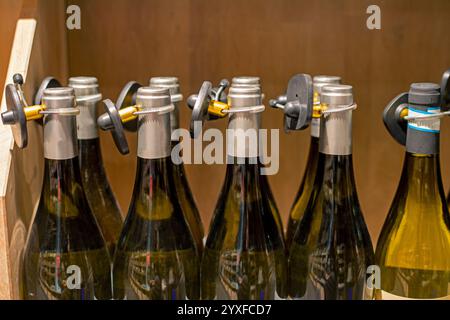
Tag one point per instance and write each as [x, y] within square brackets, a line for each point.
[170, 83]
[243, 97]
[425, 93]
[323, 80]
[87, 95]
[336, 128]
[59, 98]
[248, 96]
[338, 94]
[245, 81]
[154, 132]
[59, 123]
[152, 97]
[84, 85]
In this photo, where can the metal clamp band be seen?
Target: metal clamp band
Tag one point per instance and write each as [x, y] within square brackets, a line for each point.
[176, 97]
[90, 98]
[160, 110]
[428, 116]
[350, 107]
[61, 111]
[254, 109]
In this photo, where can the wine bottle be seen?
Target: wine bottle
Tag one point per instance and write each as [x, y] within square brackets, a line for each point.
[251, 81]
[156, 256]
[413, 250]
[182, 189]
[98, 192]
[331, 248]
[65, 256]
[244, 255]
[306, 186]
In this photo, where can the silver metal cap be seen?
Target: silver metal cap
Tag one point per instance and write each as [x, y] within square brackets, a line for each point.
[59, 98]
[245, 81]
[170, 83]
[322, 80]
[248, 96]
[153, 97]
[84, 85]
[338, 95]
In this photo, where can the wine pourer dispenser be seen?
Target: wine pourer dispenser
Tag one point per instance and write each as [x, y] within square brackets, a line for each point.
[431, 100]
[18, 112]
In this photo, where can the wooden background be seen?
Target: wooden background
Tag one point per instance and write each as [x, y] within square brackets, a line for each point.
[122, 40]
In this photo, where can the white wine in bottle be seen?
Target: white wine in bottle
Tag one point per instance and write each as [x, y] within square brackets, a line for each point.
[99, 194]
[306, 186]
[244, 255]
[182, 189]
[413, 250]
[65, 256]
[331, 248]
[156, 257]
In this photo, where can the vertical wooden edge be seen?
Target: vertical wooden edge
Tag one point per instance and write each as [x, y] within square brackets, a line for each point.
[18, 63]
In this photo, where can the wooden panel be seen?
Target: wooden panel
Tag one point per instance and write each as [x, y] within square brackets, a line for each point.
[197, 39]
[38, 49]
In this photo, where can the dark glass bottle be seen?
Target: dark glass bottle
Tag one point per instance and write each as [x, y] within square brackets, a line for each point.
[156, 256]
[306, 186]
[65, 256]
[413, 250]
[182, 188]
[331, 248]
[244, 256]
[93, 176]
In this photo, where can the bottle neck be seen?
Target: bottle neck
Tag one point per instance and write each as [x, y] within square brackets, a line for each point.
[90, 156]
[62, 191]
[87, 121]
[336, 134]
[315, 127]
[422, 176]
[313, 157]
[153, 189]
[243, 179]
[337, 175]
[175, 122]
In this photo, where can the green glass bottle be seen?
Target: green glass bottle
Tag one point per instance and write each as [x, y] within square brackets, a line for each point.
[156, 256]
[65, 256]
[244, 255]
[306, 186]
[182, 188]
[93, 176]
[331, 248]
[251, 81]
[413, 250]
